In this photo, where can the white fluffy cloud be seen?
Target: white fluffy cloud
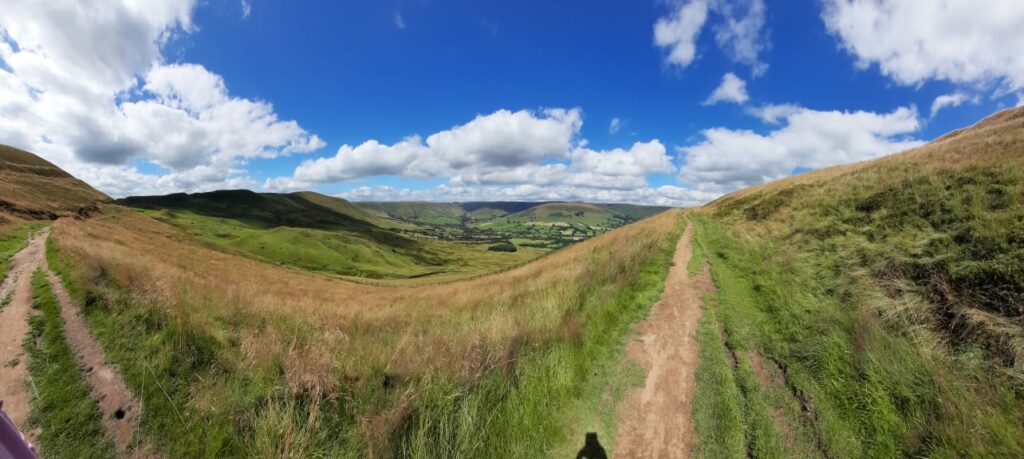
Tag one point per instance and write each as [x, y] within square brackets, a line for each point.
[912, 41]
[85, 85]
[667, 195]
[678, 32]
[951, 100]
[732, 89]
[504, 150]
[739, 30]
[729, 159]
[500, 140]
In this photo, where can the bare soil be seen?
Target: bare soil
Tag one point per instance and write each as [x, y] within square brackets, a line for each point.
[15, 384]
[119, 409]
[654, 420]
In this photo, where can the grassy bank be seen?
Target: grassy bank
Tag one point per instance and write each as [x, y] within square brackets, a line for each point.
[835, 379]
[229, 363]
[62, 406]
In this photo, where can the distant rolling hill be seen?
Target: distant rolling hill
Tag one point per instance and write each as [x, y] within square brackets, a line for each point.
[306, 230]
[31, 187]
[452, 213]
[299, 210]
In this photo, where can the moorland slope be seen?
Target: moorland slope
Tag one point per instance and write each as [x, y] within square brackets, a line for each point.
[872, 309]
[35, 188]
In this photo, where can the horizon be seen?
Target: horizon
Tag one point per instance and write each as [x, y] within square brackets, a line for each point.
[665, 103]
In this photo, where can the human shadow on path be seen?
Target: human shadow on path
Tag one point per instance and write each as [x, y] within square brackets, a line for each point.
[592, 448]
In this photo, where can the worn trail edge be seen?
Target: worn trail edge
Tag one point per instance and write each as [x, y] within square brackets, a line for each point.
[118, 408]
[654, 420]
[15, 385]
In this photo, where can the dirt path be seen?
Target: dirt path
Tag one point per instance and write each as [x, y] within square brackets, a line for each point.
[654, 421]
[15, 385]
[119, 409]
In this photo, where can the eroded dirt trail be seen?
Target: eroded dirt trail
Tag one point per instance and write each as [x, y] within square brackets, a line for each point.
[119, 409]
[654, 420]
[15, 386]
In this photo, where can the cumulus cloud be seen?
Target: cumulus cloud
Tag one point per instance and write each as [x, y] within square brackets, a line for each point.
[678, 32]
[739, 31]
[667, 195]
[732, 89]
[86, 86]
[913, 41]
[503, 152]
[951, 100]
[500, 140]
[728, 159]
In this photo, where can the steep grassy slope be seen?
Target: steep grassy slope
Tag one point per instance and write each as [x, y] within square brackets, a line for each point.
[264, 361]
[33, 188]
[874, 310]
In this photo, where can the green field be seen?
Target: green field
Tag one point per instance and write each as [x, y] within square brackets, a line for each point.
[548, 225]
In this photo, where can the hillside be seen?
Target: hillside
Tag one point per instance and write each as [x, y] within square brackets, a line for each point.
[34, 188]
[874, 308]
[318, 233]
[253, 349]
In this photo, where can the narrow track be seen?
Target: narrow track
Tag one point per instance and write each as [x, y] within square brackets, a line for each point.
[654, 420]
[118, 407]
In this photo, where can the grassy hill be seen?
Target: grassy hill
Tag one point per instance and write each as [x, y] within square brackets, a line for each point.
[874, 309]
[319, 233]
[34, 188]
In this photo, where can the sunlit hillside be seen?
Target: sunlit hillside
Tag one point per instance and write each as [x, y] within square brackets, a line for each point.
[874, 309]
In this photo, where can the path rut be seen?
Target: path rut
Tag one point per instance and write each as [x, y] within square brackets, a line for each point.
[654, 420]
[118, 408]
[15, 385]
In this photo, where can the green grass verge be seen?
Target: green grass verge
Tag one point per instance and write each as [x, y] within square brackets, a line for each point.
[62, 406]
[717, 403]
[13, 240]
[866, 391]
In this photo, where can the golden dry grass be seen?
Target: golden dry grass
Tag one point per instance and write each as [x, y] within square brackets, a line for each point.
[464, 327]
[35, 188]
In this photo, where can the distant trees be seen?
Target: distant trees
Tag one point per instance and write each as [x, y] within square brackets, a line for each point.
[503, 247]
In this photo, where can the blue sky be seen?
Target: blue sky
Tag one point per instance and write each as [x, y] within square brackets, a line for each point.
[508, 100]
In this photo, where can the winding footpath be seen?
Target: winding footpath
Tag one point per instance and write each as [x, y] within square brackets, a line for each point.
[118, 408]
[655, 420]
